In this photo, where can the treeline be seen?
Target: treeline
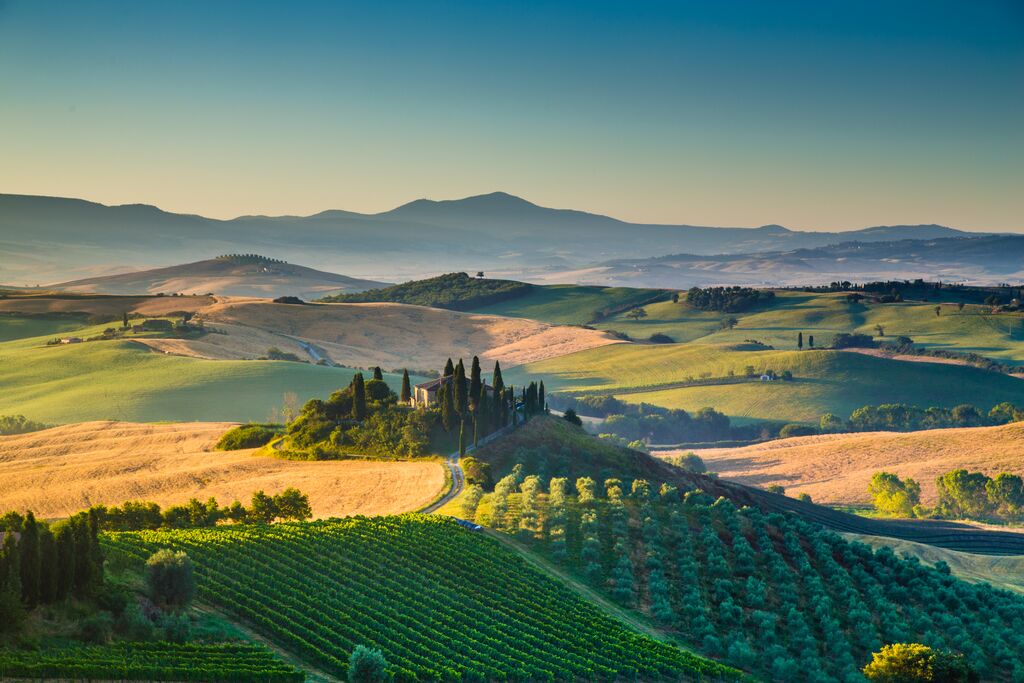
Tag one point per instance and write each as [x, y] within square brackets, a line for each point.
[18, 424]
[727, 299]
[899, 417]
[454, 291]
[42, 564]
[645, 422]
[962, 495]
[137, 515]
[898, 290]
[248, 258]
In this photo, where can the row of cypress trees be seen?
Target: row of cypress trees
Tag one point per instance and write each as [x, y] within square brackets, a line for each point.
[40, 564]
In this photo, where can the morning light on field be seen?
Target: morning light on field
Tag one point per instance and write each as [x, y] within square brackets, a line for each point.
[482, 341]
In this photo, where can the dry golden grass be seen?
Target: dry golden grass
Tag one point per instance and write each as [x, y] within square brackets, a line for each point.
[836, 468]
[60, 471]
[396, 335]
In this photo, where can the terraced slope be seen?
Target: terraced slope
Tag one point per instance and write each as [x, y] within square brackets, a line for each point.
[824, 381]
[440, 601]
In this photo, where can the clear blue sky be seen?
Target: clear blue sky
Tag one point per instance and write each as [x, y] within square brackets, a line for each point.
[818, 115]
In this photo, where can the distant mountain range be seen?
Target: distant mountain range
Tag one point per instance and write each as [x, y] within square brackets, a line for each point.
[228, 275]
[51, 239]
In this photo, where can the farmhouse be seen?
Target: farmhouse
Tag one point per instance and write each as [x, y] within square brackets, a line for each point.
[71, 340]
[424, 395]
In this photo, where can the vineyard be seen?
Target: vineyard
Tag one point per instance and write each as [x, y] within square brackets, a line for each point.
[151, 661]
[439, 601]
[770, 593]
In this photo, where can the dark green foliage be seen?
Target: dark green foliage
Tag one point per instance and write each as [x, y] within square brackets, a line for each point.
[150, 661]
[358, 397]
[274, 353]
[170, 579]
[571, 417]
[248, 436]
[446, 397]
[691, 462]
[367, 666]
[727, 299]
[901, 417]
[406, 395]
[31, 567]
[475, 383]
[796, 430]
[18, 424]
[845, 340]
[461, 388]
[378, 374]
[497, 382]
[96, 628]
[449, 369]
[659, 338]
[454, 291]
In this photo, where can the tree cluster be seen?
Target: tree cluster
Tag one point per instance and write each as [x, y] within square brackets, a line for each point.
[137, 515]
[727, 299]
[454, 291]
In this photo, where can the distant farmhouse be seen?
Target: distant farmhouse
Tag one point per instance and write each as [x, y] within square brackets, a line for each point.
[425, 395]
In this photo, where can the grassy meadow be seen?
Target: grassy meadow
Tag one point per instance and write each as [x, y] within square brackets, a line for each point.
[126, 380]
[823, 381]
[19, 327]
[569, 304]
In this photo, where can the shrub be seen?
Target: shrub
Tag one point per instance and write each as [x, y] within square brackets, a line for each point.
[916, 663]
[790, 430]
[853, 341]
[97, 628]
[894, 496]
[659, 338]
[247, 436]
[691, 462]
[571, 417]
[367, 666]
[170, 578]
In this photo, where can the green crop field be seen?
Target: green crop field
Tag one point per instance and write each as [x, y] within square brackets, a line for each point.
[20, 327]
[150, 662]
[441, 602]
[126, 380]
[824, 381]
[569, 304]
[771, 593]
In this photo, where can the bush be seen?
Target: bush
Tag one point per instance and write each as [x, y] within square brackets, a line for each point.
[659, 338]
[691, 462]
[571, 417]
[853, 341]
[794, 429]
[367, 666]
[18, 424]
[170, 578]
[97, 628]
[247, 436]
[177, 627]
[916, 663]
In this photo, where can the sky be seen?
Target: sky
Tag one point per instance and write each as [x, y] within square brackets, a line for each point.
[817, 115]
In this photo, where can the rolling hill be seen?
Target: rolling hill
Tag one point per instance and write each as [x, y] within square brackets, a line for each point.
[225, 275]
[57, 472]
[492, 231]
[836, 468]
[823, 381]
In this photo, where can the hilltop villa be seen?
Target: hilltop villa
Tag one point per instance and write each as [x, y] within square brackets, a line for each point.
[425, 394]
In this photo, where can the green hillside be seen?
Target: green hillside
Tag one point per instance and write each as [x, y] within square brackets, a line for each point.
[823, 381]
[441, 602]
[570, 304]
[974, 329]
[126, 380]
[770, 593]
[19, 327]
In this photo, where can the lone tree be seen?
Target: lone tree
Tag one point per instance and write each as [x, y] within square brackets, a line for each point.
[170, 578]
[938, 310]
[406, 395]
[880, 330]
[378, 373]
[358, 397]
[916, 663]
[125, 320]
[637, 313]
[800, 340]
[571, 417]
[367, 666]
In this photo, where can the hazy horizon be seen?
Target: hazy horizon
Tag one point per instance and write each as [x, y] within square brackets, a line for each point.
[812, 116]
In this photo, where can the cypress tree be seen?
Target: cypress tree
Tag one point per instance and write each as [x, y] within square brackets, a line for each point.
[482, 417]
[475, 383]
[378, 373]
[800, 340]
[10, 577]
[462, 437]
[358, 397]
[28, 549]
[810, 341]
[125, 319]
[496, 380]
[542, 405]
[49, 566]
[512, 405]
[406, 395]
[461, 386]
[449, 369]
[83, 556]
[66, 563]
[448, 407]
